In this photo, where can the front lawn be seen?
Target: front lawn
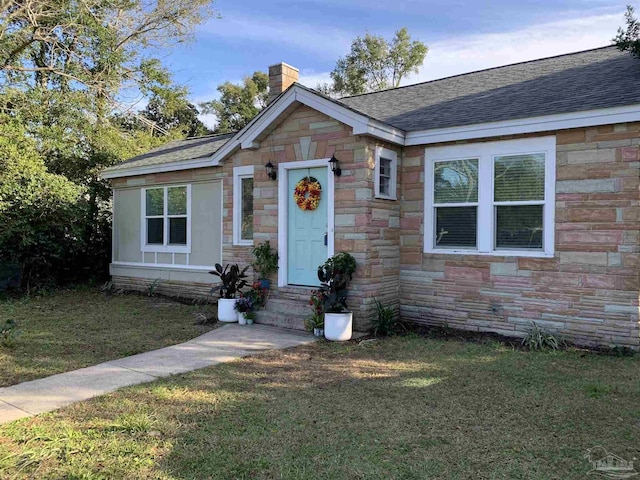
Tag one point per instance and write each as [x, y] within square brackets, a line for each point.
[403, 408]
[71, 329]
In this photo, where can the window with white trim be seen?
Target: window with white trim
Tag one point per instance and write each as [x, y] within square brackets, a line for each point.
[243, 205]
[491, 198]
[386, 173]
[167, 219]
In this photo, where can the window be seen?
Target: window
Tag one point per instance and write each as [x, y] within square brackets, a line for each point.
[166, 219]
[491, 198]
[243, 205]
[385, 175]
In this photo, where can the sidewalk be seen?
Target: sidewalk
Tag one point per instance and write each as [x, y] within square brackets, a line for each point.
[223, 344]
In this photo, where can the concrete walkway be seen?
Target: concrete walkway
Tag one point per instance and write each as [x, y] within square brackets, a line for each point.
[223, 344]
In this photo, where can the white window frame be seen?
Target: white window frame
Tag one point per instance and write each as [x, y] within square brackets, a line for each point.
[382, 152]
[239, 174]
[485, 153]
[165, 247]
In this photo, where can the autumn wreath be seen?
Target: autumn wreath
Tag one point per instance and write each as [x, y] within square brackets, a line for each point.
[307, 193]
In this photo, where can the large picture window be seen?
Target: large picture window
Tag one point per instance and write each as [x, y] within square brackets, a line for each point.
[243, 205]
[491, 198]
[166, 219]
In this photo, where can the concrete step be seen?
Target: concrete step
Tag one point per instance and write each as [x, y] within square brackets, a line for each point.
[293, 307]
[282, 320]
[285, 313]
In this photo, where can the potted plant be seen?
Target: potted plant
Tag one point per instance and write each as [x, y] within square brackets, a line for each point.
[265, 263]
[335, 275]
[250, 317]
[315, 322]
[243, 306]
[232, 280]
[257, 294]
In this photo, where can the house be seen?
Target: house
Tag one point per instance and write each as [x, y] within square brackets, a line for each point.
[482, 201]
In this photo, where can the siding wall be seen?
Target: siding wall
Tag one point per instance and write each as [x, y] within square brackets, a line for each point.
[206, 235]
[588, 291]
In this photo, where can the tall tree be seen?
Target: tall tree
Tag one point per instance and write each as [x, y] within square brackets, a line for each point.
[64, 67]
[174, 114]
[238, 104]
[629, 38]
[375, 64]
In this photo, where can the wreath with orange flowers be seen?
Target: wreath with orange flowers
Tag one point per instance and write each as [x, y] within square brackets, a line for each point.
[307, 193]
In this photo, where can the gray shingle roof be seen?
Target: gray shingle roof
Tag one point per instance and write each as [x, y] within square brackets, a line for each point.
[593, 79]
[588, 80]
[176, 151]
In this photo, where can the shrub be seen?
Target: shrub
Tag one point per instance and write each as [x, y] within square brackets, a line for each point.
[539, 339]
[40, 213]
[384, 323]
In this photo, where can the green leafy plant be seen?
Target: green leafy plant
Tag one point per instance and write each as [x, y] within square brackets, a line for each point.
[7, 333]
[384, 323]
[233, 280]
[316, 319]
[335, 275]
[266, 260]
[539, 339]
[153, 286]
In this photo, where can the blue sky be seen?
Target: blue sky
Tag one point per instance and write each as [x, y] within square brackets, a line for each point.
[463, 35]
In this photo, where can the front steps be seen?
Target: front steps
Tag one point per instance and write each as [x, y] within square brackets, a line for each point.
[284, 313]
[287, 308]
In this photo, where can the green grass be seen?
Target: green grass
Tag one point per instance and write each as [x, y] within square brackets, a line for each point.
[71, 329]
[400, 408]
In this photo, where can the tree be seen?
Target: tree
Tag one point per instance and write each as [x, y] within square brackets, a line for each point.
[92, 44]
[64, 67]
[174, 114]
[38, 209]
[374, 64]
[238, 104]
[629, 39]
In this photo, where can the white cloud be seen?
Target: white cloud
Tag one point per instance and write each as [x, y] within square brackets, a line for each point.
[476, 52]
[470, 53]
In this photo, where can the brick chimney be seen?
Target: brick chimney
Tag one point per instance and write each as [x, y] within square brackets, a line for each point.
[281, 77]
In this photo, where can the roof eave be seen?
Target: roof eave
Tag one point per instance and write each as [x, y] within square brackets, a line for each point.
[547, 123]
[158, 168]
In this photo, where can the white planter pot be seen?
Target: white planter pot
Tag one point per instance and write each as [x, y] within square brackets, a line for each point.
[242, 320]
[226, 313]
[338, 326]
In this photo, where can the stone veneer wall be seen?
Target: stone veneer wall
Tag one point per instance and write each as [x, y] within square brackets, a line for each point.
[588, 291]
[366, 228]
